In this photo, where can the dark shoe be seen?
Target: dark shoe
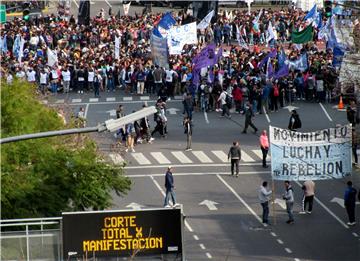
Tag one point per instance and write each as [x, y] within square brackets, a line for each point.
[255, 131]
[266, 166]
[243, 132]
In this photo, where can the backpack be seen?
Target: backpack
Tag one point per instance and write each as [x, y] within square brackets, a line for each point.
[228, 100]
[276, 91]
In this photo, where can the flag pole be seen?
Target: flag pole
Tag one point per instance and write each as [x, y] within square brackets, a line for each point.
[273, 201]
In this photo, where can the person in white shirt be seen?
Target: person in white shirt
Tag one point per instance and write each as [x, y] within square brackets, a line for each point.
[91, 75]
[54, 80]
[20, 74]
[31, 75]
[169, 82]
[9, 78]
[225, 107]
[43, 80]
[66, 75]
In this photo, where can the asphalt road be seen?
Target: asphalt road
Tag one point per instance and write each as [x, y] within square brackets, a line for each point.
[230, 228]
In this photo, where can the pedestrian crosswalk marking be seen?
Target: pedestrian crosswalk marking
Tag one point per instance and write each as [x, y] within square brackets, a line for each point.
[246, 157]
[116, 158]
[159, 157]
[76, 100]
[93, 99]
[257, 153]
[112, 99]
[202, 156]
[221, 155]
[60, 101]
[181, 157]
[127, 98]
[144, 98]
[178, 97]
[140, 158]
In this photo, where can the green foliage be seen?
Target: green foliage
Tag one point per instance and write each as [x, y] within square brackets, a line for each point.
[43, 177]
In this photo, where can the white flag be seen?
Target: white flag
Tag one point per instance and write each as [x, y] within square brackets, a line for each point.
[21, 50]
[52, 57]
[206, 21]
[117, 47]
[270, 34]
[240, 39]
[126, 8]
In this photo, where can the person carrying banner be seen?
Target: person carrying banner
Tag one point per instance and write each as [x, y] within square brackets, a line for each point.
[235, 156]
[288, 196]
[309, 193]
[294, 122]
[264, 145]
[350, 202]
[264, 197]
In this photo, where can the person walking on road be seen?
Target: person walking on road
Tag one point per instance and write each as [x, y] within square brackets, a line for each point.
[264, 145]
[289, 200]
[249, 115]
[350, 202]
[224, 100]
[188, 129]
[235, 156]
[294, 122]
[169, 185]
[264, 197]
[309, 192]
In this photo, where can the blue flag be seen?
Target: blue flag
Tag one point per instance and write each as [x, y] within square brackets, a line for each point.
[157, 33]
[318, 21]
[338, 54]
[311, 14]
[167, 21]
[332, 41]
[281, 58]
[16, 46]
[269, 70]
[282, 72]
[272, 54]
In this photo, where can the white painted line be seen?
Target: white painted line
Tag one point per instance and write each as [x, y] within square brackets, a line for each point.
[196, 237]
[60, 101]
[159, 157]
[76, 100]
[44, 101]
[202, 156]
[355, 234]
[93, 99]
[181, 157]
[140, 158]
[116, 158]
[197, 174]
[245, 157]
[280, 241]
[130, 102]
[127, 98]
[328, 210]
[110, 99]
[196, 165]
[208, 255]
[266, 115]
[108, 3]
[296, 259]
[188, 226]
[257, 153]
[326, 113]
[288, 250]
[144, 98]
[273, 234]
[221, 155]
[206, 117]
[178, 97]
[240, 199]
[86, 110]
[77, 5]
[202, 246]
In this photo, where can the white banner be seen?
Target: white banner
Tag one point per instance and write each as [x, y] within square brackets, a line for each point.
[117, 47]
[205, 22]
[181, 35]
[319, 155]
[126, 8]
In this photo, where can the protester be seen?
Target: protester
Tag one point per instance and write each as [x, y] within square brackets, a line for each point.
[289, 200]
[235, 156]
[188, 130]
[350, 202]
[264, 145]
[264, 197]
[249, 115]
[170, 188]
[308, 198]
[294, 122]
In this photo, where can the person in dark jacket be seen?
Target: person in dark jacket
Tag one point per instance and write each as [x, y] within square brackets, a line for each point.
[249, 115]
[169, 185]
[188, 129]
[349, 202]
[235, 156]
[294, 122]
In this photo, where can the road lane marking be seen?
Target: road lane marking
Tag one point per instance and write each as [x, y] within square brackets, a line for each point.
[327, 209]
[93, 99]
[198, 174]
[144, 98]
[326, 113]
[178, 97]
[163, 193]
[202, 246]
[116, 158]
[159, 157]
[127, 98]
[273, 234]
[280, 241]
[206, 117]
[86, 110]
[220, 155]
[195, 165]
[110, 99]
[181, 157]
[208, 255]
[266, 115]
[140, 158]
[114, 102]
[60, 101]
[355, 234]
[77, 5]
[196, 237]
[76, 100]
[288, 250]
[240, 199]
[245, 157]
[201, 156]
[258, 153]
[296, 259]
[108, 3]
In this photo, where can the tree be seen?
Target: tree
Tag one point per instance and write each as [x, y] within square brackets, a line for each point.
[43, 177]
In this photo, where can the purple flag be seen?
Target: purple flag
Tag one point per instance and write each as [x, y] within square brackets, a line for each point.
[196, 77]
[205, 58]
[272, 54]
[282, 72]
[269, 70]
